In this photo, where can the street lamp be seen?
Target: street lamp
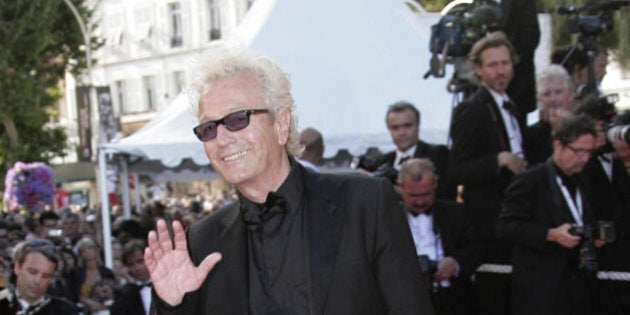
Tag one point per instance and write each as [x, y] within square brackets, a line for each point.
[105, 217]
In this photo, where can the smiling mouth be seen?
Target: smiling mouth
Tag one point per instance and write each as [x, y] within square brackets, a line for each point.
[234, 156]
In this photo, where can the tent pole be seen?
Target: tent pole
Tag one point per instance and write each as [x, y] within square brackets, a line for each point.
[105, 215]
[125, 188]
[136, 190]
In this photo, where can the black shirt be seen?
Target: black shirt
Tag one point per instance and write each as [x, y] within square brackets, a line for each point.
[277, 250]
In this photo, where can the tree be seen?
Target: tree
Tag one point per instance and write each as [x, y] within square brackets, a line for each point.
[39, 39]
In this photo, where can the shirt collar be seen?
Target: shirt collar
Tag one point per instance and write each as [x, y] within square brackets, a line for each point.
[407, 153]
[291, 190]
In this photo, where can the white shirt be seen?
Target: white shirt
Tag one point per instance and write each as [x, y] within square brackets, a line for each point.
[511, 125]
[145, 294]
[425, 239]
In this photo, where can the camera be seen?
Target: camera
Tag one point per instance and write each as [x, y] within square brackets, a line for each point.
[428, 267]
[370, 164]
[55, 233]
[463, 22]
[90, 218]
[596, 19]
[603, 230]
[618, 133]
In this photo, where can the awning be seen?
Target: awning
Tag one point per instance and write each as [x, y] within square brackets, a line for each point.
[72, 172]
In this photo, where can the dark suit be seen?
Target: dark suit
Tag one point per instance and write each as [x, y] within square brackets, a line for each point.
[438, 154]
[52, 305]
[538, 144]
[611, 202]
[459, 240]
[128, 301]
[479, 134]
[361, 256]
[544, 273]
[520, 22]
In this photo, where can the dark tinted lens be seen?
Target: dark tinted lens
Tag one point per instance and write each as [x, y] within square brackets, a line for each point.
[206, 131]
[236, 121]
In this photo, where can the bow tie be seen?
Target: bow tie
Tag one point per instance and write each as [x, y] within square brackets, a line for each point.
[143, 285]
[255, 214]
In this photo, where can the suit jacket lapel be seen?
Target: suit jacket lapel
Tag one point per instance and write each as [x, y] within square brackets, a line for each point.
[560, 211]
[324, 230]
[497, 118]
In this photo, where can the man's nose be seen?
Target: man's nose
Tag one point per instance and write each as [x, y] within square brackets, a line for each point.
[223, 135]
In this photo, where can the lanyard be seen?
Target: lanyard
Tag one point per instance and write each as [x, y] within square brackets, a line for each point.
[576, 209]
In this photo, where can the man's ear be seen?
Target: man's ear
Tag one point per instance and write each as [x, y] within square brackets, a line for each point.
[557, 145]
[282, 125]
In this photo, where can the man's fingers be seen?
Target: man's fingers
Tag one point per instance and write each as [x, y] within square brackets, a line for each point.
[179, 236]
[208, 263]
[163, 237]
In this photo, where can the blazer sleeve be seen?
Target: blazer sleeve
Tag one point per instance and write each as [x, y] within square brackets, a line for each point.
[395, 263]
[468, 163]
[518, 222]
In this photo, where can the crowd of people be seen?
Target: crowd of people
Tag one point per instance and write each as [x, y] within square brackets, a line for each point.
[511, 219]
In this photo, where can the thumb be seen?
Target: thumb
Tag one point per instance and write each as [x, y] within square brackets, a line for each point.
[209, 262]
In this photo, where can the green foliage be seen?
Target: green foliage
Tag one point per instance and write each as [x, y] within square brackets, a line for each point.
[37, 41]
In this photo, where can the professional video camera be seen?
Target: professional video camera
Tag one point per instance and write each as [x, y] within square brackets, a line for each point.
[605, 231]
[463, 22]
[590, 21]
[369, 164]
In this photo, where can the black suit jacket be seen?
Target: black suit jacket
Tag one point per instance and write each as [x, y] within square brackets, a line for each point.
[611, 202]
[458, 236]
[519, 21]
[361, 253]
[478, 135]
[459, 240]
[541, 269]
[128, 301]
[438, 154]
[9, 305]
[538, 143]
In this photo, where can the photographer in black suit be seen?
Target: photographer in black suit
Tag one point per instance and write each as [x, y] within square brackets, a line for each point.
[553, 265]
[446, 243]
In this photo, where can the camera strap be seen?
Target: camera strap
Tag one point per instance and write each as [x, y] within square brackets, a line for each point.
[575, 206]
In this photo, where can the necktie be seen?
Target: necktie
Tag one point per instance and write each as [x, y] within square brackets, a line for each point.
[510, 107]
[403, 159]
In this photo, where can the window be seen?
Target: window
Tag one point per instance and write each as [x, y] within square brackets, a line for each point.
[120, 90]
[175, 10]
[149, 93]
[178, 82]
[215, 20]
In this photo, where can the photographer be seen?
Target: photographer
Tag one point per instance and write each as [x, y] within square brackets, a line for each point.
[540, 207]
[445, 240]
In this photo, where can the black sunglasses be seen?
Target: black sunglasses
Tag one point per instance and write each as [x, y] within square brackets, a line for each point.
[233, 122]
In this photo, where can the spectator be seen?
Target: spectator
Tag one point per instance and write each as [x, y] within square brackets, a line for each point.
[403, 123]
[35, 265]
[135, 296]
[90, 271]
[555, 98]
[313, 143]
[61, 196]
[49, 225]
